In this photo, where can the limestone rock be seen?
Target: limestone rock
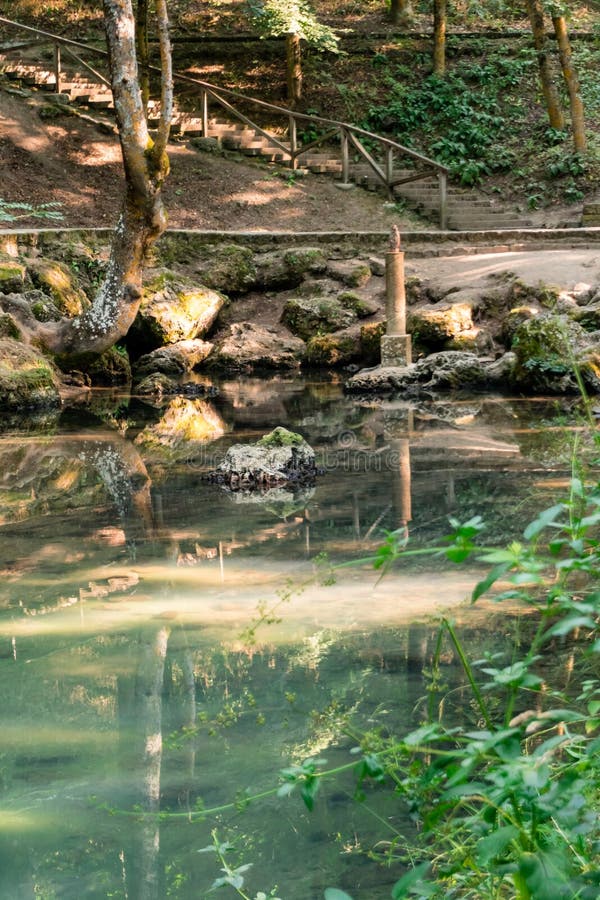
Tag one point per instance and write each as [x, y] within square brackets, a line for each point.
[9, 327]
[173, 360]
[308, 316]
[112, 367]
[287, 268]
[56, 280]
[247, 346]
[276, 458]
[230, 269]
[433, 326]
[175, 308]
[370, 340]
[447, 370]
[362, 306]
[27, 379]
[12, 275]
[354, 272]
[548, 348]
[336, 349]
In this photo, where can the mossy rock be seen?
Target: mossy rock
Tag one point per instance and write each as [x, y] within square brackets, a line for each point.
[353, 273]
[333, 349]
[309, 316]
[548, 348]
[12, 275]
[230, 269]
[281, 437]
[589, 317]
[513, 319]
[473, 340]
[522, 294]
[174, 308]
[370, 341]
[433, 326]
[55, 279]
[362, 306]
[112, 367]
[27, 379]
[9, 327]
[288, 268]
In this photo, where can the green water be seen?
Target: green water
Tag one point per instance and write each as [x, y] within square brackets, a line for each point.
[168, 647]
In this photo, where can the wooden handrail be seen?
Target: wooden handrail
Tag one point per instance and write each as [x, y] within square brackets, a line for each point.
[347, 133]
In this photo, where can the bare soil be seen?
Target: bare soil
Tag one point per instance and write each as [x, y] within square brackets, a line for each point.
[71, 161]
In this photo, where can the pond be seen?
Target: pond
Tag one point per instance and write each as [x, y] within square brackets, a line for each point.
[168, 646]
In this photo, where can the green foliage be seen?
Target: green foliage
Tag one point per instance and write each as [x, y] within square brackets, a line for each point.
[12, 211]
[281, 17]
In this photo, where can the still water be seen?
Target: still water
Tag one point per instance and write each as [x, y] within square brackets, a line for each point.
[167, 647]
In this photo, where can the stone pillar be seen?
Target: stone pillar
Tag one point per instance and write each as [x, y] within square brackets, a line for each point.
[395, 344]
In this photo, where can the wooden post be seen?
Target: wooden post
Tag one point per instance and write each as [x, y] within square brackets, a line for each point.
[57, 68]
[395, 344]
[204, 112]
[443, 186]
[293, 142]
[345, 149]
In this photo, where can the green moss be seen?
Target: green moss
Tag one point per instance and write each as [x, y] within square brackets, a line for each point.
[281, 437]
[370, 341]
[331, 350]
[9, 328]
[12, 276]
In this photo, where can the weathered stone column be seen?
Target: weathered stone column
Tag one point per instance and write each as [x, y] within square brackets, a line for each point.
[395, 344]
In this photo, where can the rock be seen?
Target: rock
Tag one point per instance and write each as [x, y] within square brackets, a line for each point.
[589, 316]
[353, 272]
[9, 327]
[548, 348]
[206, 144]
[229, 268]
[175, 308]
[246, 347]
[43, 308]
[156, 385]
[27, 379]
[473, 340]
[513, 319]
[183, 424]
[112, 367]
[447, 370]
[377, 265]
[370, 340]
[336, 349]
[280, 269]
[433, 326]
[362, 306]
[173, 360]
[12, 275]
[55, 279]
[308, 316]
[279, 457]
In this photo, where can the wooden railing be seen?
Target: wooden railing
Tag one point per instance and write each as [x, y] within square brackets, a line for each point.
[380, 162]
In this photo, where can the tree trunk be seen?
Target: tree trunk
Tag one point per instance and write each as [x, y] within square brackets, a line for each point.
[536, 17]
[143, 217]
[400, 11]
[439, 37]
[141, 43]
[293, 67]
[572, 81]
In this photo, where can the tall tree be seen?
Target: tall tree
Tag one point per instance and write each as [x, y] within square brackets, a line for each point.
[553, 106]
[572, 82]
[400, 11]
[296, 21]
[142, 218]
[440, 17]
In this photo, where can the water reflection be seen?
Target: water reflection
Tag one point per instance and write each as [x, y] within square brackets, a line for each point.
[165, 647]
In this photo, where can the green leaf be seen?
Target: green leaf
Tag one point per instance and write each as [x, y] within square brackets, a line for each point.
[412, 877]
[543, 520]
[493, 575]
[495, 843]
[336, 894]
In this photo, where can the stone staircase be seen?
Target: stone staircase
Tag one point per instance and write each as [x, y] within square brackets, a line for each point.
[467, 209]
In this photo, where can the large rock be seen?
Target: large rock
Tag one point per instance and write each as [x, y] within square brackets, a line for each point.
[175, 308]
[447, 370]
[337, 349]
[246, 347]
[174, 360]
[111, 367]
[27, 379]
[309, 316]
[549, 350]
[433, 326]
[353, 272]
[279, 457]
[12, 275]
[230, 269]
[56, 280]
[287, 268]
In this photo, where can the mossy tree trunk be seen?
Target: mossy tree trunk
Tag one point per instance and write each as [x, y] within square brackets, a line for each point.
[400, 11]
[293, 57]
[551, 98]
[572, 82]
[439, 37]
[142, 217]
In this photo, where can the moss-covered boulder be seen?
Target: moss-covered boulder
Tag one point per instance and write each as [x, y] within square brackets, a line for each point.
[337, 349]
[362, 306]
[174, 308]
[433, 326]
[589, 316]
[58, 282]
[309, 316]
[548, 349]
[27, 379]
[112, 367]
[278, 457]
[513, 319]
[228, 268]
[246, 347]
[9, 327]
[353, 272]
[370, 341]
[472, 340]
[287, 268]
[12, 275]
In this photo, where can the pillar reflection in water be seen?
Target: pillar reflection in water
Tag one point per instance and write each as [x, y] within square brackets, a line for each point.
[398, 426]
